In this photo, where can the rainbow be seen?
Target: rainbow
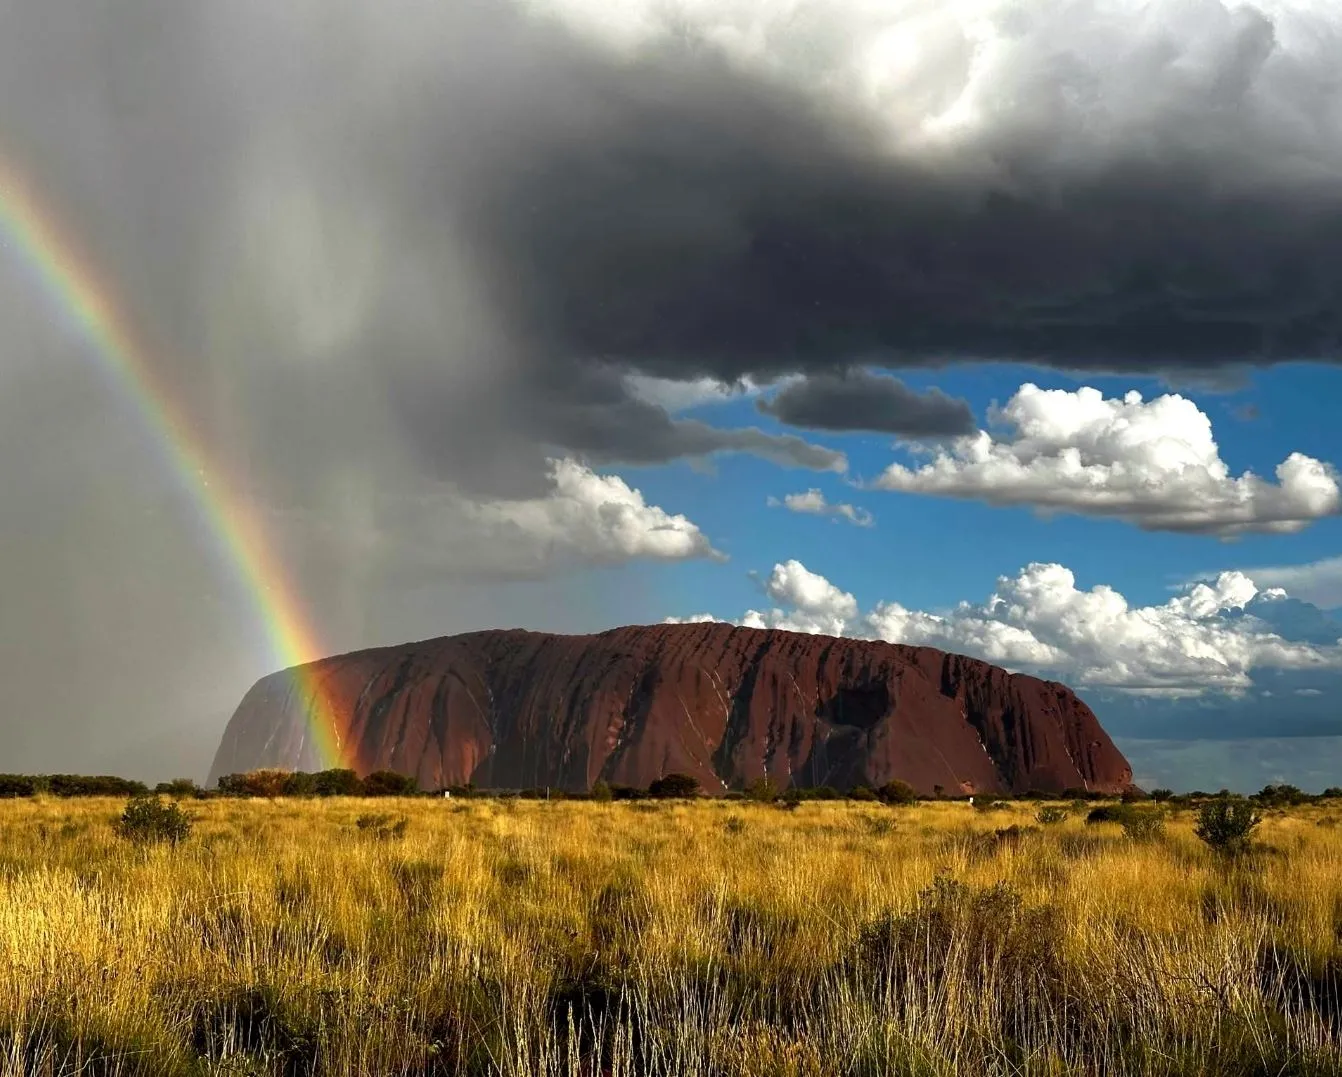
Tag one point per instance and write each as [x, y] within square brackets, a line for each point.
[30, 233]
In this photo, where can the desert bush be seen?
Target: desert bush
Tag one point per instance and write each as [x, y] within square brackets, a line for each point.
[1226, 825]
[761, 789]
[101, 785]
[179, 788]
[255, 783]
[388, 783]
[862, 793]
[960, 930]
[539, 792]
[382, 825]
[147, 820]
[1281, 796]
[878, 825]
[337, 782]
[1051, 815]
[989, 803]
[1012, 836]
[897, 792]
[1160, 795]
[674, 785]
[1107, 813]
[601, 792]
[20, 785]
[1142, 824]
[300, 783]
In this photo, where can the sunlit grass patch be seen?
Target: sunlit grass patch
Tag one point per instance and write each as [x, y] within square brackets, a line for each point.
[737, 938]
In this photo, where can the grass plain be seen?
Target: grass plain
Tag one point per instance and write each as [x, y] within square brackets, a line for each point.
[526, 938]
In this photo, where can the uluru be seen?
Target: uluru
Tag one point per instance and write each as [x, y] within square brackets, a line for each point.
[517, 709]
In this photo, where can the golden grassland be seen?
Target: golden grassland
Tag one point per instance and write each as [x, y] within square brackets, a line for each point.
[710, 937]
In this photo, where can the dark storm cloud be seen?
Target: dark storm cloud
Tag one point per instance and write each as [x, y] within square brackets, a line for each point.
[594, 414]
[685, 218]
[443, 220]
[587, 409]
[861, 400]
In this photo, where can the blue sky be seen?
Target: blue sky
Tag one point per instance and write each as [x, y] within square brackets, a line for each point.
[930, 553]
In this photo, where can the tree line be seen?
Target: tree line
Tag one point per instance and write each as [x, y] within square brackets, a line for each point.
[338, 782]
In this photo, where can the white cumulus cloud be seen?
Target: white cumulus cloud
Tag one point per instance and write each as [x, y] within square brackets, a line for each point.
[1319, 582]
[1040, 621]
[1152, 463]
[812, 502]
[807, 602]
[589, 517]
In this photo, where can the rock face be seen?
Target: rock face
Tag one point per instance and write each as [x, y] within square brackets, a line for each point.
[514, 709]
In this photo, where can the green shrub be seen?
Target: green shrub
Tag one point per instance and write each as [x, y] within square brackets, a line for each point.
[1051, 815]
[897, 792]
[255, 783]
[1106, 813]
[20, 785]
[1281, 796]
[148, 820]
[1226, 824]
[988, 803]
[1143, 824]
[388, 783]
[1161, 794]
[674, 785]
[100, 785]
[763, 790]
[861, 792]
[178, 787]
[300, 784]
[337, 782]
[601, 791]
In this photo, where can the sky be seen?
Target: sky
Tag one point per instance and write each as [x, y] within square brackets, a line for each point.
[1009, 328]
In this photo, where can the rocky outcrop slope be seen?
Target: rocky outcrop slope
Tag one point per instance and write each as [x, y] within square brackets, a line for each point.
[515, 709]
